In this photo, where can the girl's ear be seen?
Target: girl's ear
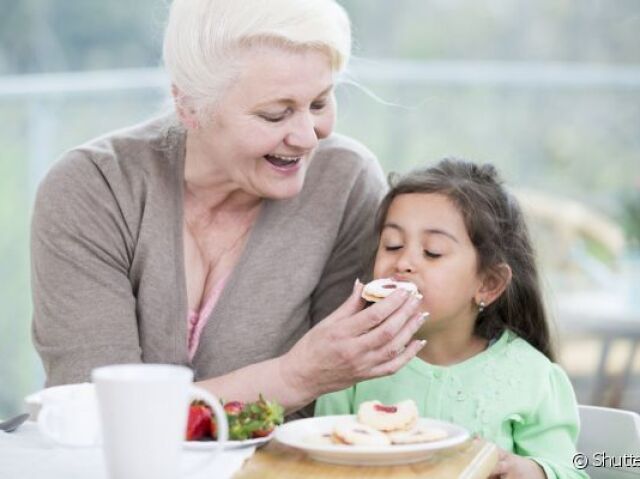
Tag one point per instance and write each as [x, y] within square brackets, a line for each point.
[186, 114]
[495, 281]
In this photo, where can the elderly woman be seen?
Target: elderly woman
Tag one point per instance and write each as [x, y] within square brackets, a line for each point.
[226, 236]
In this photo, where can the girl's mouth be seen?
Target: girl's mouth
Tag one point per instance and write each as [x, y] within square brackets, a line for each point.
[283, 162]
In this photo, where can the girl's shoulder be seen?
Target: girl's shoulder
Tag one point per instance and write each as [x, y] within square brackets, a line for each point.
[515, 345]
[524, 357]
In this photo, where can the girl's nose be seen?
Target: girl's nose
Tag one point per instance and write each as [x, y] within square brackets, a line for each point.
[406, 262]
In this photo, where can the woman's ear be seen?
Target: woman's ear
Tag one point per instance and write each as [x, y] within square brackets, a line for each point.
[185, 112]
[495, 281]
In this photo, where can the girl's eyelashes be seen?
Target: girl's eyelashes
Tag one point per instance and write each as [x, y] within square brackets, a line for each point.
[427, 253]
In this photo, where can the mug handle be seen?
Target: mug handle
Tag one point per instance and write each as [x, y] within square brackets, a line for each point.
[44, 424]
[221, 423]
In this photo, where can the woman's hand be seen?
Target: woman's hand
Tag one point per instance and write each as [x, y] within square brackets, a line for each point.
[353, 344]
[512, 466]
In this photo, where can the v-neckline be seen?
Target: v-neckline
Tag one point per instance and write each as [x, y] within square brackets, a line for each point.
[179, 148]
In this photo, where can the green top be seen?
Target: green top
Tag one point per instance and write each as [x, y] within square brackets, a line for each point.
[510, 394]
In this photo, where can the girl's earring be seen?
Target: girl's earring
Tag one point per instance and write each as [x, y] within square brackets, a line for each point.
[481, 306]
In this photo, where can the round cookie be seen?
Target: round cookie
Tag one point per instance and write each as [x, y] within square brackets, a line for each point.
[359, 435]
[398, 417]
[417, 435]
[320, 439]
[379, 289]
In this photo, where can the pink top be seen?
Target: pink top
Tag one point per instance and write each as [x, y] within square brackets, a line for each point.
[196, 320]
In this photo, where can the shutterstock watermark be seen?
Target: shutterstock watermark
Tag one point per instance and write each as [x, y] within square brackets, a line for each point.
[603, 460]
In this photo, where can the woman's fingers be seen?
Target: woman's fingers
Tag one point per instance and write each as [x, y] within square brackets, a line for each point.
[384, 333]
[390, 367]
[501, 468]
[380, 312]
[352, 305]
[397, 345]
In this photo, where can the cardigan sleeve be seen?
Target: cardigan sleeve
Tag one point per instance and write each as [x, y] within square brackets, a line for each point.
[549, 434]
[84, 309]
[355, 242]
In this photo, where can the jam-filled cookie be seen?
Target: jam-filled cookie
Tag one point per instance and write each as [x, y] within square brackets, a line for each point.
[379, 289]
[397, 417]
[417, 435]
[359, 435]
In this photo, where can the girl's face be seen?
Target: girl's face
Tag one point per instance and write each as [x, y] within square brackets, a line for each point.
[424, 240]
[264, 130]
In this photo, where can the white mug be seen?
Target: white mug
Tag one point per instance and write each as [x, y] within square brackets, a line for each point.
[143, 411]
[68, 415]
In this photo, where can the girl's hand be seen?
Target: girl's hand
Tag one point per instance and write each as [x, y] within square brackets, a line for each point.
[512, 466]
[353, 344]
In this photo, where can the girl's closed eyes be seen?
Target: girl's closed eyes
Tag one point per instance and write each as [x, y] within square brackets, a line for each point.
[427, 253]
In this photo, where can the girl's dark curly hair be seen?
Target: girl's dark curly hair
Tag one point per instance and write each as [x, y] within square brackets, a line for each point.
[498, 231]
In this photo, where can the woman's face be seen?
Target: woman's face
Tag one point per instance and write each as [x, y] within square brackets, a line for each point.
[424, 240]
[264, 130]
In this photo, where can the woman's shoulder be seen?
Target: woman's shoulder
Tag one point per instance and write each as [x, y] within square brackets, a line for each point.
[127, 147]
[121, 157]
[340, 158]
[114, 174]
[341, 146]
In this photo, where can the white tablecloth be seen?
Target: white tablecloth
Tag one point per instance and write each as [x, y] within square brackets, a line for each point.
[25, 454]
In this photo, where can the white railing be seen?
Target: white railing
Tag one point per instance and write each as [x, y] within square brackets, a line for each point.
[34, 88]
[521, 74]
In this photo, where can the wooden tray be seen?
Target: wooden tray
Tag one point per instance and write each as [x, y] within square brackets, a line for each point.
[471, 460]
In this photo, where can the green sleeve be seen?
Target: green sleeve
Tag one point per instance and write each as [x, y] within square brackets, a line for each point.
[339, 402]
[549, 434]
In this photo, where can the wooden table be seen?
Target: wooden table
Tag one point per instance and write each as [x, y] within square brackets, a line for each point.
[472, 460]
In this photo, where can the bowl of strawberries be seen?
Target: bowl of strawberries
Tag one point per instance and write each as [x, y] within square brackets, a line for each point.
[250, 423]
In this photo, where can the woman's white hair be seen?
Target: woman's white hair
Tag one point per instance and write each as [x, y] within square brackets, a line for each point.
[203, 38]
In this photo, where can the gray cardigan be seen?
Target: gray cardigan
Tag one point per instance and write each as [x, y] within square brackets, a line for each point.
[108, 276]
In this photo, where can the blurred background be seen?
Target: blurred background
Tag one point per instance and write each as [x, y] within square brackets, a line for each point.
[549, 91]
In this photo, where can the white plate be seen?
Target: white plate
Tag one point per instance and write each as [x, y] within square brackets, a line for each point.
[207, 445]
[298, 433]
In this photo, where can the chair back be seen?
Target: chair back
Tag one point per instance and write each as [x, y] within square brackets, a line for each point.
[614, 432]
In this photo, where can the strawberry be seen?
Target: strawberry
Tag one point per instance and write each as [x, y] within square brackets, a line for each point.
[250, 420]
[233, 408]
[199, 422]
[262, 432]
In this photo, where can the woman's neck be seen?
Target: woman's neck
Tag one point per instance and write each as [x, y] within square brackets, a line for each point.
[215, 199]
[210, 187]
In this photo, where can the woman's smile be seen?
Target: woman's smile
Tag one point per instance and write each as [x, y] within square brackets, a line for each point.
[284, 164]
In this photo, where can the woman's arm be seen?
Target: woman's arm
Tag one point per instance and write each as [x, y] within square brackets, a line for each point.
[350, 345]
[84, 309]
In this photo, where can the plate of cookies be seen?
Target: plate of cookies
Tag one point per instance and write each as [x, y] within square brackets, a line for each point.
[379, 435]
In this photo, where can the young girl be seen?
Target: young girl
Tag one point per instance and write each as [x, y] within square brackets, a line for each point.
[455, 232]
